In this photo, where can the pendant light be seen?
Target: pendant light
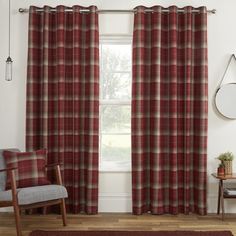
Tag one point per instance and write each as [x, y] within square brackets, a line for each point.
[8, 72]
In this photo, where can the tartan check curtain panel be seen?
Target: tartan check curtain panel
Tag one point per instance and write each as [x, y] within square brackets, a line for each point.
[169, 111]
[63, 97]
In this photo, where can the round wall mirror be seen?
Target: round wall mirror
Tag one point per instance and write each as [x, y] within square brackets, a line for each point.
[225, 100]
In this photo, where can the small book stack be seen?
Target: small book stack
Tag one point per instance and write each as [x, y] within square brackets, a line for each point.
[230, 191]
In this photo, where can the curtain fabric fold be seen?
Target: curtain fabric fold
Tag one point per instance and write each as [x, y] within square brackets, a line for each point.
[63, 97]
[169, 111]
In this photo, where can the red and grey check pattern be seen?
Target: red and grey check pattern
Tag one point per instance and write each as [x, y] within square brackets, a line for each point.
[30, 168]
[63, 97]
[169, 111]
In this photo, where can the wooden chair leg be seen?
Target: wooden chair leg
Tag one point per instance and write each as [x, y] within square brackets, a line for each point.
[15, 203]
[63, 211]
[17, 219]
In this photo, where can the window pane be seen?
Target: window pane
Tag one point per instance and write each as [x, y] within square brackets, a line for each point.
[116, 119]
[116, 57]
[116, 86]
[116, 148]
[115, 108]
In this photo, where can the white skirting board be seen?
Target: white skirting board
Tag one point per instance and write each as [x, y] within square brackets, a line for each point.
[115, 203]
[6, 209]
[123, 203]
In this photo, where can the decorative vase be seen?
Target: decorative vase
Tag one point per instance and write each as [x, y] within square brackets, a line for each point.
[221, 171]
[228, 167]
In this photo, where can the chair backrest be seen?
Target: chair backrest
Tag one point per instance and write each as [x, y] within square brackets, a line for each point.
[3, 175]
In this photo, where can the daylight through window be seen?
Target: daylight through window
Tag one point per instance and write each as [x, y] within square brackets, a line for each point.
[115, 104]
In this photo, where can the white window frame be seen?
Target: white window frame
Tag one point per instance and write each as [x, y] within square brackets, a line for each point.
[111, 39]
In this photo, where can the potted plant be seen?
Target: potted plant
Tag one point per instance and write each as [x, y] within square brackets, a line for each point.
[221, 170]
[226, 159]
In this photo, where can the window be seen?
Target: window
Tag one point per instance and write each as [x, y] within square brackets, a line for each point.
[115, 104]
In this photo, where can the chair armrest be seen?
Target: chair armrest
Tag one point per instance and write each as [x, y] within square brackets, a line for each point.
[13, 187]
[12, 182]
[11, 176]
[57, 171]
[58, 175]
[8, 169]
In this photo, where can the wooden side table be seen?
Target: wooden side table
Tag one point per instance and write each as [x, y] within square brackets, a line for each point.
[221, 194]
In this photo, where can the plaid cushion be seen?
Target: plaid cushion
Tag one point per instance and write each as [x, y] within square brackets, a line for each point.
[30, 168]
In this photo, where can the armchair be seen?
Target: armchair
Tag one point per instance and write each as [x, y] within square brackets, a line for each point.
[30, 197]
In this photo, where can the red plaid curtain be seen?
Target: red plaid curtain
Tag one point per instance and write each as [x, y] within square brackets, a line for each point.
[169, 110]
[63, 97]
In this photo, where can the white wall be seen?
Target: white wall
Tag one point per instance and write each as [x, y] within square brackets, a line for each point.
[115, 188]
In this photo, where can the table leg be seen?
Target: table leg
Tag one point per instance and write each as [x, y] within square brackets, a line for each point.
[222, 198]
[219, 193]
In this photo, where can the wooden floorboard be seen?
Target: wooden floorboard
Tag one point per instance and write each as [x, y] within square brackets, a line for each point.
[117, 222]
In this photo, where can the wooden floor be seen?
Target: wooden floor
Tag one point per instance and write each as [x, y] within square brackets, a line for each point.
[117, 222]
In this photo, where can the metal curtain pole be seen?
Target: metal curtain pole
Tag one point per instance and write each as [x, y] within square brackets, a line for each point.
[25, 10]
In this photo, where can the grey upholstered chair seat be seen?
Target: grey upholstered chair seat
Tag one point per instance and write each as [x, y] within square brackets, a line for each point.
[36, 194]
[30, 197]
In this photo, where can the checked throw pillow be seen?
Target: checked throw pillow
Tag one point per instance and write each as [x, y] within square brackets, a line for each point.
[30, 168]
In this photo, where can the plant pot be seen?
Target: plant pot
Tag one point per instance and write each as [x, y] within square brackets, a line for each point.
[221, 171]
[228, 167]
